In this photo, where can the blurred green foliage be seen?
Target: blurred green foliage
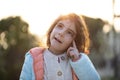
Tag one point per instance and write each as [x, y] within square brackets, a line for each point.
[15, 41]
[98, 41]
[95, 27]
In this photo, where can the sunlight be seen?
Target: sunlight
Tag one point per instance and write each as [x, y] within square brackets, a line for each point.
[117, 24]
[3, 40]
[106, 28]
[117, 13]
[40, 14]
[42, 20]
[117, 7]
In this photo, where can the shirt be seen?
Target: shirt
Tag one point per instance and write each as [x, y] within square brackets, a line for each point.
[57, 67]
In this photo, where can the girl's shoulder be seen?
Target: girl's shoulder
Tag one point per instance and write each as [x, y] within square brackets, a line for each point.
[36, 51]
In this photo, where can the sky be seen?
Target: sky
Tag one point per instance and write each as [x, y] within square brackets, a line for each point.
[39, 14]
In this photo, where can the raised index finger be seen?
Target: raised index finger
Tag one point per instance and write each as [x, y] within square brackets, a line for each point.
[74, 44]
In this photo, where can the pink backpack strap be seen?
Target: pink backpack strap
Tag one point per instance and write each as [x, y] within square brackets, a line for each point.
[37, 54]
[74, 75]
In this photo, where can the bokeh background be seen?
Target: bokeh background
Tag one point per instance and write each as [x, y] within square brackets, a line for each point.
[23, 24]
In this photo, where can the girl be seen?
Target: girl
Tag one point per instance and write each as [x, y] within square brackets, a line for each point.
[65, 58]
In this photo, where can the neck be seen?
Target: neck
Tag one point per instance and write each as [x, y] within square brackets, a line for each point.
[55, 52]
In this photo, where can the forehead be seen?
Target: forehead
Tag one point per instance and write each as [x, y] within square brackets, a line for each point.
[68, 24]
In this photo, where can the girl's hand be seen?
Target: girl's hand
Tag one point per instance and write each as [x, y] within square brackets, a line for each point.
[73, 52]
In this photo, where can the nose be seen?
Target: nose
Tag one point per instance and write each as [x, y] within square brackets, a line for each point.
[61, 33]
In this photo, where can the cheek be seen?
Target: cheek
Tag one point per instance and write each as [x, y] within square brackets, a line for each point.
[52, 33]
[68, 42]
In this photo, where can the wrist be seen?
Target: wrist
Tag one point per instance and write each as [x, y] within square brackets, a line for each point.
[74, 60]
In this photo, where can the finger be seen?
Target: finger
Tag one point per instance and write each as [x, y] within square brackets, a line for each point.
[74, 44]
[69, 49]
[70, 54]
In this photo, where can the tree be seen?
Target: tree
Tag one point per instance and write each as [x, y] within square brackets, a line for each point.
[95, 27]
[98, 42]
[15, 41]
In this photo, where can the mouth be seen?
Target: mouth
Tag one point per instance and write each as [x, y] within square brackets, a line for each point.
[58, 40]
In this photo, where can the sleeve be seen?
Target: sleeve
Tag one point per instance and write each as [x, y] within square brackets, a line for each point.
[27, 72]
[84, 68]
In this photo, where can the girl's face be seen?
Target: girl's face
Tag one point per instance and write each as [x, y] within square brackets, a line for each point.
[62, 36]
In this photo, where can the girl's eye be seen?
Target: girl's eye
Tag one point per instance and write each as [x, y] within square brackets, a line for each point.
[70, 33]
[59, 26]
